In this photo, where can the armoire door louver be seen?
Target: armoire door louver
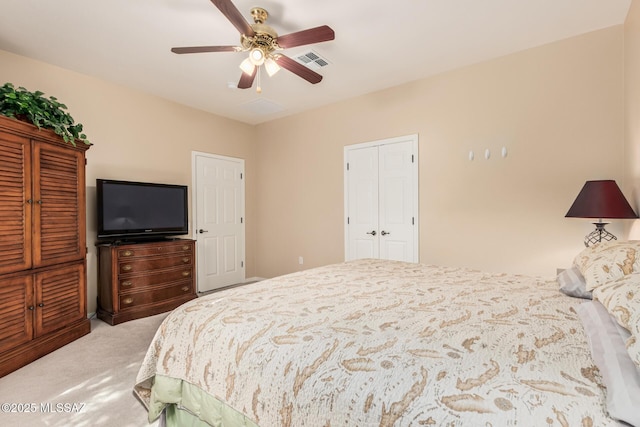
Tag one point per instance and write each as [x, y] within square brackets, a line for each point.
[15, 190]
[17, 323]
[56, 204]
[61, 298]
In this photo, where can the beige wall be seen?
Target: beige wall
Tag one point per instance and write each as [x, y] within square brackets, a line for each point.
[136, 137]
[632, 112]
[558, 109]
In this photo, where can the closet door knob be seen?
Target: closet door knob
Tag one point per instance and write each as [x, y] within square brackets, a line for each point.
[384, 233]
[373, 233]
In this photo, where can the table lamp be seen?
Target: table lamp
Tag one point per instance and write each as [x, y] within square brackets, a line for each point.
[600, 199]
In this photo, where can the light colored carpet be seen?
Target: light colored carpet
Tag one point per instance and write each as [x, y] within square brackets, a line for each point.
[95, 372]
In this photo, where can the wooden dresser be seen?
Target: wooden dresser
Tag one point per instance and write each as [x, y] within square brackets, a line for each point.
[142, 279]
[43, 303]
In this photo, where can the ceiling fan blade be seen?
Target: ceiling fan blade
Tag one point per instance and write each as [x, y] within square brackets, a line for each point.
[299, 69]
[234, 16]
[246, 80]
[201, 49]
[312, 35]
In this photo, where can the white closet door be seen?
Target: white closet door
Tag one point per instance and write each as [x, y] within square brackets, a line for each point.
[381, 200]
[363, 203]
[396, 208]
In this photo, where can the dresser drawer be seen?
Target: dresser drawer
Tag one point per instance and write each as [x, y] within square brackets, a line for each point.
[154, 278]
[137, 299]
[143, 250]
[146, 264]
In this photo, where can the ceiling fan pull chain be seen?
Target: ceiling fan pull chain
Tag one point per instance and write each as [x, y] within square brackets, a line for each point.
[259, 88]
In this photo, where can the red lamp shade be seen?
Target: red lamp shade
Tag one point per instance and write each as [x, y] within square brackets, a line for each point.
[601, 199]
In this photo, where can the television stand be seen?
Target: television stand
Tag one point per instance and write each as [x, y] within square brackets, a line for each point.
[144, 278]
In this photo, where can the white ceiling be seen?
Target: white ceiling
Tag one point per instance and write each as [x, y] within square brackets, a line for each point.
[377, 45]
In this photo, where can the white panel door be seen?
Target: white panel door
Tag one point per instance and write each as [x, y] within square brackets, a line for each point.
[381, 200]
[219, 221]
[363, 203]
[397, 211]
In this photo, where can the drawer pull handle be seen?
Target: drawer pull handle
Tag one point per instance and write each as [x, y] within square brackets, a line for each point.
[186, 273]
[127, 300]
[185, 247]
[127, 283]
[185, 288]
[186, 260]
[126, 267]
[127, 253]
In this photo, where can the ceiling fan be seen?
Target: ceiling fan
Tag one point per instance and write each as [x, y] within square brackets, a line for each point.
[262, 43]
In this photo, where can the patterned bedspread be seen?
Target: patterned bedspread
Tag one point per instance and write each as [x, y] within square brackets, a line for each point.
[379, 343]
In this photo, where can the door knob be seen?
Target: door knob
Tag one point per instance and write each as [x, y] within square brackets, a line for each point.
[203, 231]
[384, 233]
[373, 233]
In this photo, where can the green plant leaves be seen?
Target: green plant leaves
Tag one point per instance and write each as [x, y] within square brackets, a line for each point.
[35, 108]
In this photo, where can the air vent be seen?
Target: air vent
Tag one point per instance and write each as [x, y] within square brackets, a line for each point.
[312, 60]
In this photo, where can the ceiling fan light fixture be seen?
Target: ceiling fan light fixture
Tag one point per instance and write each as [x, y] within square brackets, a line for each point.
[257, 56]
[271, 66]
[247, 66]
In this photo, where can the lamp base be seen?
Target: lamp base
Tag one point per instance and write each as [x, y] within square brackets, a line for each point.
[598, 235]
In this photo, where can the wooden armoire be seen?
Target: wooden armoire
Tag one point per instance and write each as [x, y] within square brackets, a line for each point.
[43, 302]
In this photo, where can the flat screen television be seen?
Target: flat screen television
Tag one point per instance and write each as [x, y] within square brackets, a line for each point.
[132, 211]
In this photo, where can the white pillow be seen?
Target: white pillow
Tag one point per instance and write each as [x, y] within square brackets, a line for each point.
[572, 283]
[619, 373]
[621, 298]
[608, 261]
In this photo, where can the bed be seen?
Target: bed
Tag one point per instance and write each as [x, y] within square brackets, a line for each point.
[377, 343]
